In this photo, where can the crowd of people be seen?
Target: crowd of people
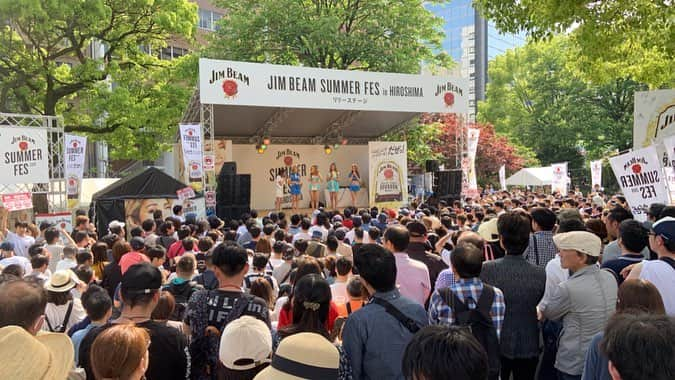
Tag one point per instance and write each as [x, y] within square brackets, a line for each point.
[510, 285]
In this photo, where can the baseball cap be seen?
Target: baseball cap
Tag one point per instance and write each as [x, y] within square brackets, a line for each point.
[404, 212]
[340, 233]
[665, 227]
[416, 229]
[115, 224]
[137, 242]
[337, 218]
[581, 241]
[141, 278]
[6, 246]
[316, 234]
[245, 343]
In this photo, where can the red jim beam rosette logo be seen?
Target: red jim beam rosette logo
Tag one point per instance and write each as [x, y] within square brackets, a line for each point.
[230, 88]
[195, 166]
[636, 168]
[72, 181]
[288, 160]
[449, 99]
[23, 145]
[389, 173]
[74, 144]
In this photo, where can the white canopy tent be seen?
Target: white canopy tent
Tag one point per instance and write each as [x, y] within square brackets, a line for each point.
[531, 177]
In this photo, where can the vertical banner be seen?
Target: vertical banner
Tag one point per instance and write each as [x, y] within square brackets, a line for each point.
[472, 145]
[669, 173]
[669, 144]
[502, 177]
[25, 155]
[388, 168]
[596, 174]
[191, 140]
[74, 162]
[559, 180]
[641, 179]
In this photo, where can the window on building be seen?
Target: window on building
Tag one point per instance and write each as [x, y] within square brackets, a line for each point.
[171, 52]
[208, 19]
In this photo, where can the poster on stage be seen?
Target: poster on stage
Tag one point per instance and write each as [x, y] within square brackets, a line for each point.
[268, 85]
[185, 193]
[17, 201]
[75, 150]
[653, 117]
[191, 141]
[559, 179]
[138, 210]
[24, 155]
[388, 167]
[62, 220]
[502, 177]
[641, 179]
[596, 174]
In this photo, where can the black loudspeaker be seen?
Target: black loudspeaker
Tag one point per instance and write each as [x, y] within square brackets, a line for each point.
[242, 190]
[448, 183]
[231, 212]
[225, 190]
[229, 168]
[432, 166]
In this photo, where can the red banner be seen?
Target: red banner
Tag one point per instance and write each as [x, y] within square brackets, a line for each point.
[17, 201]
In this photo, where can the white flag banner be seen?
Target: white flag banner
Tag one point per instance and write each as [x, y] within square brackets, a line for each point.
[502, 177]
[25, 155]
[669, 172]
[596, 173]
[191, 140]
[669, 143]
[559, 179]
[472, 145]
[641, 179]
[76, 147]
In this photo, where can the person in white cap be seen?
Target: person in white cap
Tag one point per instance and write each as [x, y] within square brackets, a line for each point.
[584, 302]
[245, 347]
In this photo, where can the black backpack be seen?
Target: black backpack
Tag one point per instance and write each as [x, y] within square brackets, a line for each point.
[252, 277]
[479, 322]
[182, 296]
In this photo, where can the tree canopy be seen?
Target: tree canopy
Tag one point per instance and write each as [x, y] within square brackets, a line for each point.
[88, 61]
[374, 35]
[613, 39]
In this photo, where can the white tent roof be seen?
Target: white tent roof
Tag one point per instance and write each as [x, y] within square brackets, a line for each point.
[531, 177]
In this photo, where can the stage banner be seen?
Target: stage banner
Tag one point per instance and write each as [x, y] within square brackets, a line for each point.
[62, 220]
[266, 85]
[654, 117]
[472, 144]
[502, 177]
[191, 140]
[641, 179]
[17, 201]
[74, 163]
[559, 180]
[388, 167]
[24, 155]
[596, 173]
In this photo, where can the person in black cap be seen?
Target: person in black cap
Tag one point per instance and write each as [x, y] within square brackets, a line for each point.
[417, 250]
[140, 288]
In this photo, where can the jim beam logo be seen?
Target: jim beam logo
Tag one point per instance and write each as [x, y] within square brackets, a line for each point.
[636, 175]
[230, 80]
[25, 156]
[389, 183]
[448, 90]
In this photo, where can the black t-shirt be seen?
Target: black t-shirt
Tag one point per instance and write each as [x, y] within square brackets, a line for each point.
[211, 307]
[617, 265]
[169, 355]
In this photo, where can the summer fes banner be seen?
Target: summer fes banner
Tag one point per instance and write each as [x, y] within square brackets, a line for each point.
[388, 167]
[75, 149]
[641, 179]
[23, 155]
[191, 139]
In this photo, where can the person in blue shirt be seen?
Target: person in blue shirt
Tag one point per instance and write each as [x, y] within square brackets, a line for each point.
[98, 305]
[633, 238]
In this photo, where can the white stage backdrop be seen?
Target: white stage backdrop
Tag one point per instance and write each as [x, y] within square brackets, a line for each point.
[256, 84]
[264, 168]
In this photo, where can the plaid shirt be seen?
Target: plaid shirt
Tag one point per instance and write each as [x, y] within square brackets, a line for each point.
[468, 291]
[445, 279]
[545, 248]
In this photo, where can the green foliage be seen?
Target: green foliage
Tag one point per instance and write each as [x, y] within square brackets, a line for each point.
[130, 98]
[535, 97]
[373, 35]
[420, 138]
[613, 38]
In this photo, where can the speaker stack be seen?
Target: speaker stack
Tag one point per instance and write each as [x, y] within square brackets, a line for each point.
[448, 184]
[233, 194]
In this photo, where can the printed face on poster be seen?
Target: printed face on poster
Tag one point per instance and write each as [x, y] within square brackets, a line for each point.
[23, 155]
[388, 162]
[641, 179]
[138, 210]
[62, 220]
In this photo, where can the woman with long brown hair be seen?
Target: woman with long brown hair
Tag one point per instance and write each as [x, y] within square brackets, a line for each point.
[121, 352]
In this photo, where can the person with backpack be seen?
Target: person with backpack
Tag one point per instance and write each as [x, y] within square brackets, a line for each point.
[523, 285]
[209, 311]
[374, 337]
[182, 287]
[260, 263]
[470, 302]
[63, 310]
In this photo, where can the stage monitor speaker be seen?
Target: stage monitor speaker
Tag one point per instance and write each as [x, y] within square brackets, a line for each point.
[242, 190]
[229, 168]
[447, 183]
[225, 191]
[231, 212]
[432, 166]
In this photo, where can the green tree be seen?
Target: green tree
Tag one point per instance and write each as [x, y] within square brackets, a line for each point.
[120, 92]
[538, 99]
[421, 138]
[374, 35]
[613, 39]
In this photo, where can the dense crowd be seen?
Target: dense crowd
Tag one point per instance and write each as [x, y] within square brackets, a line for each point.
[515, 285]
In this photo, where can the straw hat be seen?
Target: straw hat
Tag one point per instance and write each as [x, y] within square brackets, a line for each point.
[60, 282]
[488, 230]
[45, 356]
[303, 356]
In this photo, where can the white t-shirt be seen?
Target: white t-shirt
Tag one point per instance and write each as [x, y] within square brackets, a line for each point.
[56, 250]
[662, 275]
[279, 186]
[322, 229]
[17, 260]
[301, 235]
[66, 264]
[21, 243]
[339, 292]
[55, 314]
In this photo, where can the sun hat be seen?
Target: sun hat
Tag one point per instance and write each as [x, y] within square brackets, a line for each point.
[303, 356]
[24, 356]
[142, 278]
[61, 281]
[488, 230]
[581, 241]
[245, 343]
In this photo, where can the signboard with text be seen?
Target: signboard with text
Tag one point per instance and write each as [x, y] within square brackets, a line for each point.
[17, 201]
[388, 164]
[24, 155]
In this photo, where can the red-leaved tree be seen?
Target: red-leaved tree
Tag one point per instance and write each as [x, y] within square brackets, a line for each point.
[493, 150]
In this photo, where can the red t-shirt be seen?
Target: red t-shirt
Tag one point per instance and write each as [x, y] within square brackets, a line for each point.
[286, 317]
[176, 249]
[348, 223]
[131, 258]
